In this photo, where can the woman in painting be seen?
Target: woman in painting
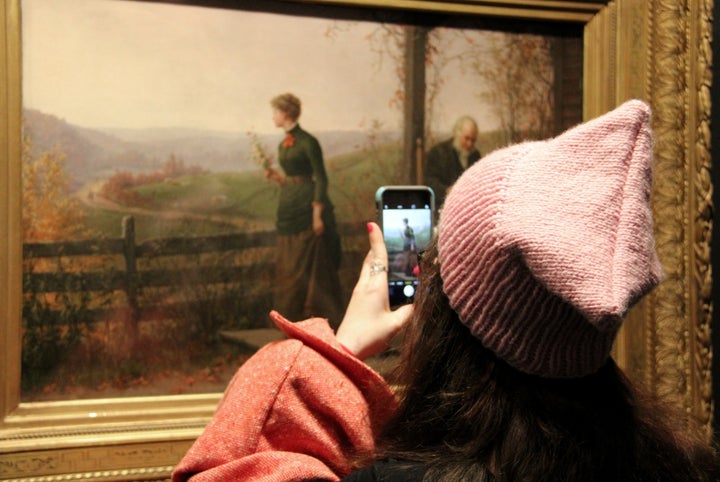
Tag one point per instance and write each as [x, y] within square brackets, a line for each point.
[409, 247]
[308, 251]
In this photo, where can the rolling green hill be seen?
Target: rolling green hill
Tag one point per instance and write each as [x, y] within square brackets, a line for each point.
[216, 203]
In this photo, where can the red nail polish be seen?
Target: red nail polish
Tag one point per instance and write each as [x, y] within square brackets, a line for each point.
[369, 227]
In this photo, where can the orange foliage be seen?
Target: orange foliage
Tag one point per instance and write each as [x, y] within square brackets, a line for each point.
[49, 211]
[120, 186]
[518, 68]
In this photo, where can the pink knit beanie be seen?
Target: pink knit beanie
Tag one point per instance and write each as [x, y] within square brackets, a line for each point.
[544, 246]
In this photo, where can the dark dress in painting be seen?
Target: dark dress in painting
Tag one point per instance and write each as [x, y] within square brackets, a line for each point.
[409, 250]
[306, 272]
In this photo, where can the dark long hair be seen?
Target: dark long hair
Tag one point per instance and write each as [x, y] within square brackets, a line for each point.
[469, 416]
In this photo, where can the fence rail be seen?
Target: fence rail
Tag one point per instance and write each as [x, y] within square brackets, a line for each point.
[131, 280]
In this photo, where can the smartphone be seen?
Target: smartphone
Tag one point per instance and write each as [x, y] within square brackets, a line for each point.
[406, 215]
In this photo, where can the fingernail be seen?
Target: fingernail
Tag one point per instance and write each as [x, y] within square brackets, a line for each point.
[369, 227]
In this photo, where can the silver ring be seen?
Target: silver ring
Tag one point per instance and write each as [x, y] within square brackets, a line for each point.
[376, 267]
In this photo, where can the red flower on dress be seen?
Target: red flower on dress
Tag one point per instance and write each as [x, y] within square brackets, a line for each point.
[289, 140]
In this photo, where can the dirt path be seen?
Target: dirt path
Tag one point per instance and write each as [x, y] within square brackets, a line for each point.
[89, 196]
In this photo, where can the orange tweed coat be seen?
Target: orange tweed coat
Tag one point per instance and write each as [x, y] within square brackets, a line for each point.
[297, 410]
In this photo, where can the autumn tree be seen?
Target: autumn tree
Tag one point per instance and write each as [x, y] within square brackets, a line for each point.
[175, 167]
[514, 72]
[388, 42]
[408, 51]
[49, 210]
[518, 72]
[120, 187]
[53, 323]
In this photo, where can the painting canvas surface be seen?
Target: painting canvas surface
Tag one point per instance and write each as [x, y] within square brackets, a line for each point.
[148, 222]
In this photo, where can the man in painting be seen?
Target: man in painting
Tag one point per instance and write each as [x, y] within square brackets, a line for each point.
[448, 159]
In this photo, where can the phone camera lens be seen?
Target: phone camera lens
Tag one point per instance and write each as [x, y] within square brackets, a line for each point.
[409, 291]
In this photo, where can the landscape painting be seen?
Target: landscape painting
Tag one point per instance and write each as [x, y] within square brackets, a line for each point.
[148, 221]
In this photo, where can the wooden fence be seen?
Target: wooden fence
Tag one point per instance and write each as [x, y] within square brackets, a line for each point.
[133, 277]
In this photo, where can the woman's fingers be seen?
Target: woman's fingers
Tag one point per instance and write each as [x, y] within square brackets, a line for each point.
[375, 264]
[377, 243]
[369, 324]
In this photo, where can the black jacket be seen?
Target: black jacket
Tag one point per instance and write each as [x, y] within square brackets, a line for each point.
[388, 471]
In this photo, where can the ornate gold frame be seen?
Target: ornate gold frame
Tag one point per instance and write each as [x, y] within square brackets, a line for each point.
[657, 50]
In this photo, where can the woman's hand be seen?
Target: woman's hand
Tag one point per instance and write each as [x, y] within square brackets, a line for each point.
[274, 175]
[318, 225]
[369, 325]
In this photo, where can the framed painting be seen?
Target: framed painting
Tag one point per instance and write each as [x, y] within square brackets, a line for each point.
[127, 435]
[149, 212]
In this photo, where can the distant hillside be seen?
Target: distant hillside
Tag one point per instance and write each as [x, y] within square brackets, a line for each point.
[88, 153]
[95, 154]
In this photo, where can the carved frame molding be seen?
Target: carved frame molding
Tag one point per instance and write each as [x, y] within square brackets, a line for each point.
[657, 50]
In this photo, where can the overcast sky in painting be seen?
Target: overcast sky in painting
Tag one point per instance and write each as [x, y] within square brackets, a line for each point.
[124, 64]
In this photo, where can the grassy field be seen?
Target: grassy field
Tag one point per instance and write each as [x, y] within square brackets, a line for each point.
[217, 203]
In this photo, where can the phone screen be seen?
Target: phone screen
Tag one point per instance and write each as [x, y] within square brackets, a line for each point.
[406, 216]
